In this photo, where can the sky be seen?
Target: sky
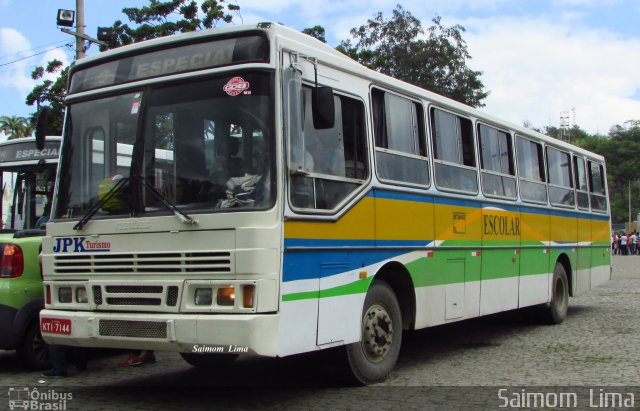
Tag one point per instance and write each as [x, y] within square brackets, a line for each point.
[541, 59]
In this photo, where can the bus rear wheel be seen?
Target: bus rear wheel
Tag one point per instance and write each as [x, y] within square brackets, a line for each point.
[372, 359]
[208, 360]
[556, 310]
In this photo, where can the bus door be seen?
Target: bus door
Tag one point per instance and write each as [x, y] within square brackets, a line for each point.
[32, 197]
[22, 207]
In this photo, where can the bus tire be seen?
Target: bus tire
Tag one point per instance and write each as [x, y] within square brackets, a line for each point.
[208, 360]
[33, 350]
[555, 311]
[372, 359]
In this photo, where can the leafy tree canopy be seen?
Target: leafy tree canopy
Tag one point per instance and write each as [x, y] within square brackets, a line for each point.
[434, 59]
[15, 127]
[317, 32]
[164, 18]
[50, 92]
[621, 150]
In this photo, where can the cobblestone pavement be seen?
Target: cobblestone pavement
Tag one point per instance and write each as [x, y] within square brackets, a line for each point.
[456, 365]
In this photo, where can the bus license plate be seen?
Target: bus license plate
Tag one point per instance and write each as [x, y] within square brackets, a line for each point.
[56, 326]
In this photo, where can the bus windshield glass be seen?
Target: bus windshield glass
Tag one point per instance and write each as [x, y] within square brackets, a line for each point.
[27, 176]
[205, 146]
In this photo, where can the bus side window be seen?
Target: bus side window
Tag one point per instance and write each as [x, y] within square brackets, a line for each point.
[582, 189]
[597, 187]
[531, 171]
[496, 162]
[400, 138]
[560, 183]
[454, 154]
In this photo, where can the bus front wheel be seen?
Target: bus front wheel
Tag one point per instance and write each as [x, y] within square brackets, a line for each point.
[555, 311]
[372, 359]
[33, 350]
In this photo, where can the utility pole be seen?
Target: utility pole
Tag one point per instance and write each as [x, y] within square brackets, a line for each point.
[66, 19]
[79, 29]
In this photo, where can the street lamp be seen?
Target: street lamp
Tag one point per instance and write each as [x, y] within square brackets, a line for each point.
[66, 17]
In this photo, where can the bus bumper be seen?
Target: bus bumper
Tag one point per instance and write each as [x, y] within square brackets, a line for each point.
[212, 333]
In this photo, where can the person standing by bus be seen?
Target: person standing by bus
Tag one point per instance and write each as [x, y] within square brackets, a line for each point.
[623, 244]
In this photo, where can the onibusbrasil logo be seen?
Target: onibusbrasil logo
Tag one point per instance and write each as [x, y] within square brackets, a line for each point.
[34, 399]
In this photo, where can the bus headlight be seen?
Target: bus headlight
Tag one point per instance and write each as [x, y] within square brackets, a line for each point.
[203, 296]
[81, 295]
[65, 295]
[226, 295]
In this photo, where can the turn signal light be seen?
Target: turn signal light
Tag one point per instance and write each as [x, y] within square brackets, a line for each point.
[247, 295]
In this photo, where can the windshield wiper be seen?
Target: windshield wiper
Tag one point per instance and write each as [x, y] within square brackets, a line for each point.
[101, 202]
[185, 218]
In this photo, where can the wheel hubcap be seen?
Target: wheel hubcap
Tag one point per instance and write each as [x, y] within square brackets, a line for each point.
[377, 333]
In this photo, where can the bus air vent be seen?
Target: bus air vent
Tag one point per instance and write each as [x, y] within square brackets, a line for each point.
[135, 329]
[172, 296]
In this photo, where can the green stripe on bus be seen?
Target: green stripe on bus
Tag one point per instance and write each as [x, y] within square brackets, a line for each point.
[426, 272]
[356, 287]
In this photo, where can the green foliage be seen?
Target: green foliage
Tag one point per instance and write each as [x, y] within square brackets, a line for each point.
[50, 93]
[316, 31]
[621, 150]
[164, 18]
[15, 127]
[434, 59]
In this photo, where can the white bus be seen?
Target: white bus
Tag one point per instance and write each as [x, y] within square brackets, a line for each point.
[304, 202]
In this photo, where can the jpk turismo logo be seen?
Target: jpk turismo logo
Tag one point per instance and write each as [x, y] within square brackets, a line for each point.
[79, 245]
[34, 399]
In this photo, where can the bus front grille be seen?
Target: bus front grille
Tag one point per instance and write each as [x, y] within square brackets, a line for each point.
[127, 296]
[133, 329]
[149, 263]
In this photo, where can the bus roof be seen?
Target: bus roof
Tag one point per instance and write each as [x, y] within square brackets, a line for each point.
[21, 152]
[331, 57]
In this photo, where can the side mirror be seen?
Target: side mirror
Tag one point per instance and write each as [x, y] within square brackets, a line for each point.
[323, 108]
[41, 127]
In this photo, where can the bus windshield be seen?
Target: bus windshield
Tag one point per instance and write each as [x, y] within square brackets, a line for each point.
[27, 177]
[205, 145]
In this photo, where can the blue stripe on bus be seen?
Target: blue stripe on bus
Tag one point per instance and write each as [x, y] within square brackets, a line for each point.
[307, 265]
[322, 243]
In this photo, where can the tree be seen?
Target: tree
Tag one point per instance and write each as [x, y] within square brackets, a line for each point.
[15, 127]
[50, 92]
[159, 18]
[164, 18]
[621, 150]
[316, 31]
[437, 62]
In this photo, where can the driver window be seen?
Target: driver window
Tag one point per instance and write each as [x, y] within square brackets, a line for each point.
[334, 162]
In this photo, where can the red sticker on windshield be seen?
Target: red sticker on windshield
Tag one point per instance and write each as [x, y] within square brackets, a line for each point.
[236, 86]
